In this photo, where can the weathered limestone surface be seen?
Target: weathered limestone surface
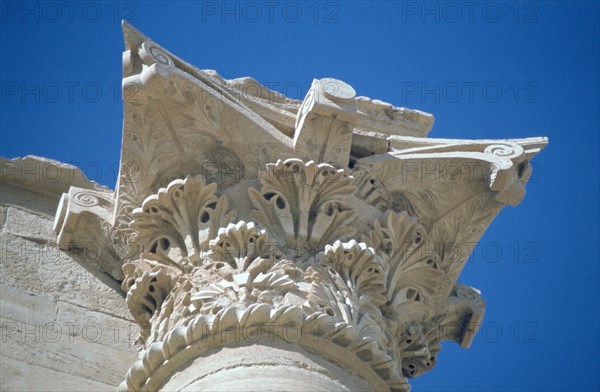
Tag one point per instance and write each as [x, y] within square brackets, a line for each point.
[262, 364]
[299, 245]
[63, 322]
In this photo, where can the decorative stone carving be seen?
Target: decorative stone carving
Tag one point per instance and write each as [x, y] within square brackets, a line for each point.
[325, 121]
[178, 221]
[239, 222]
[304, 204]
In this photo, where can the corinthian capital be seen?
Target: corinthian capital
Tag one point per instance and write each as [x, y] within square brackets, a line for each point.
[317, 240]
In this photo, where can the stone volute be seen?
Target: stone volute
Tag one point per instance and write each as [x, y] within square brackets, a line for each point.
[270, 244]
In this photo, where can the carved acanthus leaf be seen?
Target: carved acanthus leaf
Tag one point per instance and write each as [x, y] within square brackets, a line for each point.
[413, 275]
[147, 285]
[417, 358]
[177, 223]
[239, 245]
[304, 203]
[243, 290]
[359, 268]
[457, 232]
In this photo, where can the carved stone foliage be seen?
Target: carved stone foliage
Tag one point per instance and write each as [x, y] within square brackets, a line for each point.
[198, 263]
[304, 204]
[415, 275]
[177, 222]
[235, 214]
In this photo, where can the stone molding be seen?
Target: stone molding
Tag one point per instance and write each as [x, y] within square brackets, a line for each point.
[240, 212]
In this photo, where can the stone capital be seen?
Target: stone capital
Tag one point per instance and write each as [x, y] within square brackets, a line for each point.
[328, 234]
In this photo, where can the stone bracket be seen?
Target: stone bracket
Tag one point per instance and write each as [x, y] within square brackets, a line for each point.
[325, 122]
[83, 221]
[504, 164]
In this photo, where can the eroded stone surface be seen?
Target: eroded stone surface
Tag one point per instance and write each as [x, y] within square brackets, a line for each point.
[62, 321]
[28, 225]
[23, 376]
[228, 370]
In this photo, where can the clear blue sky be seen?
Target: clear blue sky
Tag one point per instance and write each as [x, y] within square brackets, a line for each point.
[484, 69]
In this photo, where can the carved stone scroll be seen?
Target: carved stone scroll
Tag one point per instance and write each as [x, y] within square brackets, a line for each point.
[325, 122]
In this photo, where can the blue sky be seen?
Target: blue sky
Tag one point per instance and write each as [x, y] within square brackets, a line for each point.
[485, 69]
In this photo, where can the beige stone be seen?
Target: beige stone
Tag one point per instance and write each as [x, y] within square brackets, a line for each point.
[63, 323]
[299, 245]
[25, 377]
